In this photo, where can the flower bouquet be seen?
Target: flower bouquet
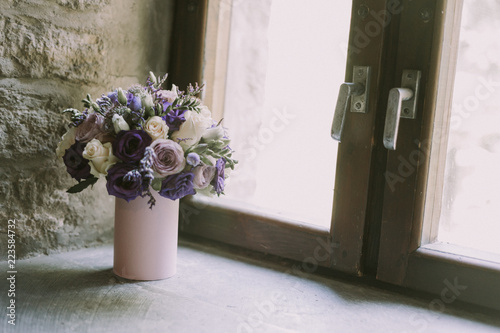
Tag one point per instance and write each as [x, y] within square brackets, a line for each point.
[145, 139]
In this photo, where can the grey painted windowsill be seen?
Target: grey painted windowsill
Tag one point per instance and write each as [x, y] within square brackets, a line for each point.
[216, 289]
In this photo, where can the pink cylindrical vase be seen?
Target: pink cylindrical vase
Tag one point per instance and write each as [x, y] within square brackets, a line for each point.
[145, 244]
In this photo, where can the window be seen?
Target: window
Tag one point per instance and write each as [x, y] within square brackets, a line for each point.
[410, 251]
[470, 209]
[261, 229]
[386, 203]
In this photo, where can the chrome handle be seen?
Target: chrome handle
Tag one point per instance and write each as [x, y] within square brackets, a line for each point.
[396, 98]
[346, 91]
[357, 91]
[402, 103]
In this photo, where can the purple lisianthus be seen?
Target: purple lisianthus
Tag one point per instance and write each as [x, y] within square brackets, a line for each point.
[177, 186]
[129, 146]
[193, 159]
[174, 119]
[76, 165]
[127, 188]
[134, 102]
[218, 181]
[113, 96]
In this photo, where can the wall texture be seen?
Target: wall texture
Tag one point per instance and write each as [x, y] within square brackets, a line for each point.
[52, 53]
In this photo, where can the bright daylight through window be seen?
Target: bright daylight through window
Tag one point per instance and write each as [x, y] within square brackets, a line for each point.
[286, 61]
[470, 213]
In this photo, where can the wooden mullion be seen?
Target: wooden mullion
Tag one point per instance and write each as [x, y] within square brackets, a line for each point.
[407, 166]
[355, 161]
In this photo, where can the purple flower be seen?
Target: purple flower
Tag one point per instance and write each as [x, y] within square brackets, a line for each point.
[174, 119]
[129, 146]
[134, 102]
[165, 104]
[177, 186]
[193, 159]
[113, 96]
[77, 166]
[218, 181]
[127, 188]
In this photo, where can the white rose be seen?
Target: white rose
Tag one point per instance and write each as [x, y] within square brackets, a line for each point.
[119, 123]
[168, 95]
[191, 131]
[67, 140]
[214, 133]
[156, 128]
[100, 156]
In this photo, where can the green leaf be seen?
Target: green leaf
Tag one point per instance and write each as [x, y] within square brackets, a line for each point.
[206, 160]
[156, 184]
[201, 148]
[83, 185]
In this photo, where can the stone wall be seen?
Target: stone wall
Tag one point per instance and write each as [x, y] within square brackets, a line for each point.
[52, 53]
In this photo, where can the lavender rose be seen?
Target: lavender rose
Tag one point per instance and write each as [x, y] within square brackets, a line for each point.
[169, 157]
[129, 146]
[92, 128]
[177, 186]
[218, 181]
[203, 175]
[127, 188]
[77, 166]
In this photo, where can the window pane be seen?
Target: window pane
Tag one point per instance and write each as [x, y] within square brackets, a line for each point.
[470, 214]
[286, 62]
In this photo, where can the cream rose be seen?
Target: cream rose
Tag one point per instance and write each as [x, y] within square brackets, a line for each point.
[100, 156]
[156, 128]
[67, 140]
[191, 130]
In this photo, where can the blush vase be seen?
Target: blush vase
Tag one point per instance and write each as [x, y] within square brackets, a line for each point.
[145, 240]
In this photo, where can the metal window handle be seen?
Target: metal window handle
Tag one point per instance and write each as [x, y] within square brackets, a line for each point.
[357, 92]
[402, 103]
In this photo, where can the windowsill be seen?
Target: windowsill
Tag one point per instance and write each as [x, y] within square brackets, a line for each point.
[217, 288]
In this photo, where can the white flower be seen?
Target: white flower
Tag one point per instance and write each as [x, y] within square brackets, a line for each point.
[168, 95]
[191, 131]
[67, 140]
[100, 156]
[156, 128]
[119, 123]
[214, 133]
[147, 101]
